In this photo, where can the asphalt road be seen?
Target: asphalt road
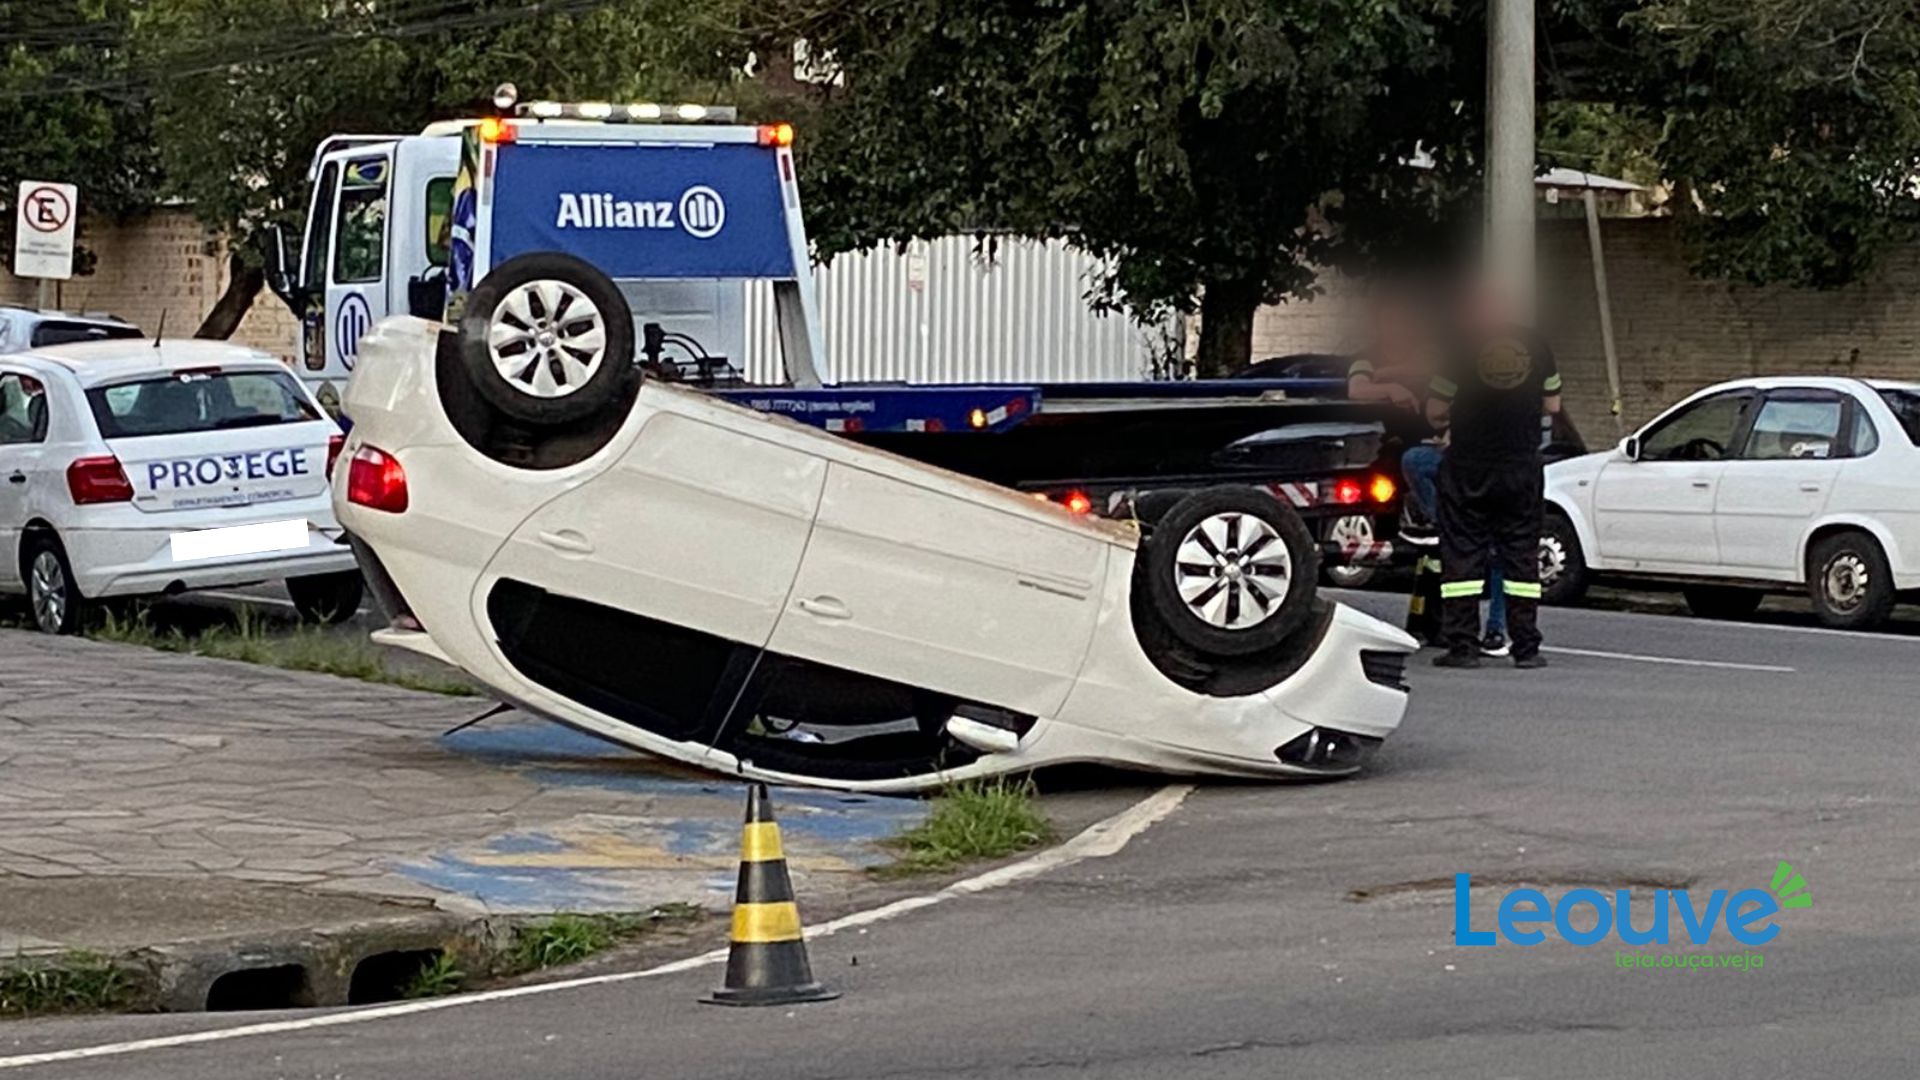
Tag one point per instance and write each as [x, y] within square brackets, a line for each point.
[1307, 931]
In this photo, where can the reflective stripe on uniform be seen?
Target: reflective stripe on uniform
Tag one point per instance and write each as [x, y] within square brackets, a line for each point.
[1453, 590]
[1553, 383]
[1529, 590]
[1360, 367]
[1444, 387]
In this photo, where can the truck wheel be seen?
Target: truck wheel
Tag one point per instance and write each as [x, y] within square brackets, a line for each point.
[1563, 567]
[1353, 530]
[58, 607]
[1230, 571]
[1849, 581]
[327, 599]
[547, 339]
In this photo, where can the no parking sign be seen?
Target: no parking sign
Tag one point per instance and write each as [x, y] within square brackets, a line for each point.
[43, 229]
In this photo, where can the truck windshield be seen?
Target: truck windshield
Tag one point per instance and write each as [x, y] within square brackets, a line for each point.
[177, 404]
[1906, 409]
[62, 332]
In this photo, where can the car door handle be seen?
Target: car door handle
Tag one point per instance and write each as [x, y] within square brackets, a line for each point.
[17, 478]
[1809, 487]
[568, 541]
[825, 607]
[1702, 484]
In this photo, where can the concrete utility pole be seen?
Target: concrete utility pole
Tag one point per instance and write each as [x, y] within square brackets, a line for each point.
[1509, 192]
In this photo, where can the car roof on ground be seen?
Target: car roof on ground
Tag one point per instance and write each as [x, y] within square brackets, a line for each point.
[107, 361]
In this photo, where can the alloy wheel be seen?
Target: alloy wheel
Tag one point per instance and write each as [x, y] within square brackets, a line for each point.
[47, 586]
[1232, 570]
[546, 338]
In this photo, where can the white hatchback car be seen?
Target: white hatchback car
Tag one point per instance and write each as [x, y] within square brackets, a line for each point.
[740, 592]
[130, 468]
[1750, 487]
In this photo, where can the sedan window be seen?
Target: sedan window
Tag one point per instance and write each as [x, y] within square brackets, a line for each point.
[1703, 431]
[1787, 429]
[1906, 409]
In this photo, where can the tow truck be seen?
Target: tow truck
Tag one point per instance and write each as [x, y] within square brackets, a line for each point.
[683, 208]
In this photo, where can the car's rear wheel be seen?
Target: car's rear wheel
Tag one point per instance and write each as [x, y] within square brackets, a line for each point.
[1722, 601]
[1563, 566]
[1348, 533]
[58, 607]
[327, 599]
[1230, 571]
[547, 339]
[1849, 581]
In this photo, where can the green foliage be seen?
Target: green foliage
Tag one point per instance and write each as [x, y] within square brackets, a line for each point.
[983, 819]
[253, 640]
[437, 977]
[71, 982]
[569, 938]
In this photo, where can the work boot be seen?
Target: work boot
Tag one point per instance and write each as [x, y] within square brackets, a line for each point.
[1529, 661]
[1456, 658]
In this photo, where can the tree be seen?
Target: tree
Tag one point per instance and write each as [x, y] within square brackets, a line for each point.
[246, 89]
[1223, 149]
[64, 111]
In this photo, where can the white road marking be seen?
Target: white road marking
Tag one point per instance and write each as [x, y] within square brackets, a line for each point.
[1675, 660]
[1099, 840]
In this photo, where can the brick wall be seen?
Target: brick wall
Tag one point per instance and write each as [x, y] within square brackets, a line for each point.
[164, 263]
[1674, 333]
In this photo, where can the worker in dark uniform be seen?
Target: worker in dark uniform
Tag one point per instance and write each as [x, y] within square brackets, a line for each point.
[1490, 396]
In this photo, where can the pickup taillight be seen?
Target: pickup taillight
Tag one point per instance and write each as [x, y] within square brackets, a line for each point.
[93, 480]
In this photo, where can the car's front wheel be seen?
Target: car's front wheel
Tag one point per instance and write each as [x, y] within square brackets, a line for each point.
[547, 339]
[1722, 601]
[327, 599]
[55, 599]
[1849, 581]
[1230, 571]
[1563, 566]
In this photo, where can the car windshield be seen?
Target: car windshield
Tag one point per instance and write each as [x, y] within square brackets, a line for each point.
[1906, 408]
[198, 401]
[64, 332]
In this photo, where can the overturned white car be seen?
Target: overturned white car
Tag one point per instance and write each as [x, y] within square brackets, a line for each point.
[736, 591]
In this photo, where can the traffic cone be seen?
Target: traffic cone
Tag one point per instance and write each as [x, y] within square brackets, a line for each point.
[1423, 606]
[767, 962]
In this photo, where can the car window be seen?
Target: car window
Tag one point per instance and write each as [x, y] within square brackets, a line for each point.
[360, 235]
[313, 276]
[1866, 439]
[67, 331]
[439, 220]
[199, 401]
[1797, 428]
[23, 409]
[1906, 409]
[1703, 431]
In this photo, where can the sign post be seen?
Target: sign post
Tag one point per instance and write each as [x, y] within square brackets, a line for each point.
[43, 227]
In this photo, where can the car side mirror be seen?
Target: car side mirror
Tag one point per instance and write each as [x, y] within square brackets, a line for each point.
[427, 295]
[1630, 446]
[279, 272]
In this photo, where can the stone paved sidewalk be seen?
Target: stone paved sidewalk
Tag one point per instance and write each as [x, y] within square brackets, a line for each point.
[148, 795]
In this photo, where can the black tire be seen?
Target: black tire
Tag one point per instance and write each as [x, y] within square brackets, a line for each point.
[1849, 581]
[327, 599]
[1342, 576]
[53, 599]
[1563, 565]
[526, 397]
[1243, 601]
[1722, 601]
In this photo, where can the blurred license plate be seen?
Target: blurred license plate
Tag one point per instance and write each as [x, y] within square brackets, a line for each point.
[239, 540]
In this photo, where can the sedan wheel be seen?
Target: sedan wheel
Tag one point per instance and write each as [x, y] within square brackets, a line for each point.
[56, 603]
[1233, 571]
[547, 338]
[1849, 581]
[1229, 571]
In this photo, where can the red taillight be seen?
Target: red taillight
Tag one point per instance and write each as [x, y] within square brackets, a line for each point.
[375, 479]
[98, 480]
[1346, 491]
[334, 445]
[1382, 489]
[1077, 502]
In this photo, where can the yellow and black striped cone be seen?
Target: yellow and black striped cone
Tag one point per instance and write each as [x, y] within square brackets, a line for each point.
[767, 963]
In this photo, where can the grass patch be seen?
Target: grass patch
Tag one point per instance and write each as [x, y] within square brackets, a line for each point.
[979, 819]
[568, 939]
[253, 640]
[437, 977]
[70, 982]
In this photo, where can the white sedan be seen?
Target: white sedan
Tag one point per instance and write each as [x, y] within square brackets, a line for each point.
[1750, 487]
[740, 592]
[131, 468]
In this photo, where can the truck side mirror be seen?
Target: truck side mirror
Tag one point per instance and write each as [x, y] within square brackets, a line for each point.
[279, 273]
[1630, 446]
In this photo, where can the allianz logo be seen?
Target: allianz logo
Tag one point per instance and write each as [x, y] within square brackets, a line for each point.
[700, 212]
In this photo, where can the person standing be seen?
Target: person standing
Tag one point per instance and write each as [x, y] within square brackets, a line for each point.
[1498, 381]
